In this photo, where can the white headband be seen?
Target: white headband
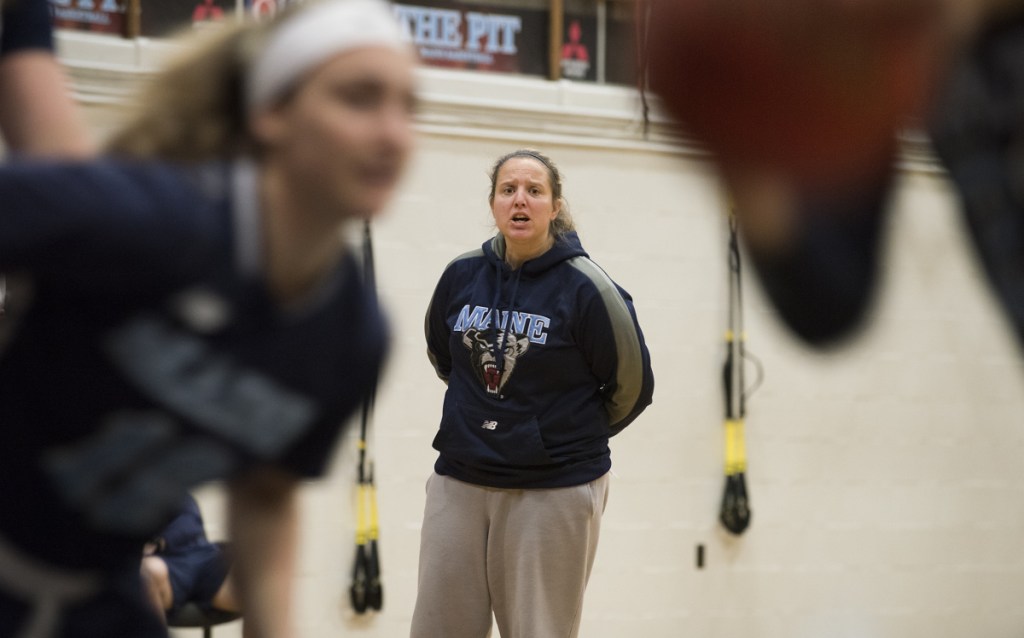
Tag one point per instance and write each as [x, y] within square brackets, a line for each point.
[314, 35]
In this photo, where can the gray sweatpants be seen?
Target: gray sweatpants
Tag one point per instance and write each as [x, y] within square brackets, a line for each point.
[524, 555]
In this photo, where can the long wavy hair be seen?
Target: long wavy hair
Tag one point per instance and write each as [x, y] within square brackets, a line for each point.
[194, 110]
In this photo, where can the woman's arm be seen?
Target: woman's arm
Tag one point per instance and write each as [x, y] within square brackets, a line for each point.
[263, 519]
[614, 345]
[436, 330]
[37, 113]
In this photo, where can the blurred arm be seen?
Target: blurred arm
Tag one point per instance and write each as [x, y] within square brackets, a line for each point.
[437, 332]
[264, 530]
[37, 113]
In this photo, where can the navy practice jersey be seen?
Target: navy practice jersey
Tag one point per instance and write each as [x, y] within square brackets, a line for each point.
[153, 359]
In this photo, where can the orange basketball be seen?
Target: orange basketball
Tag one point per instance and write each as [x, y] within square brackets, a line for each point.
[815, 89]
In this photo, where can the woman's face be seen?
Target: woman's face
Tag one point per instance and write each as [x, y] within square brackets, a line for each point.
[345, 134]
[524, 205]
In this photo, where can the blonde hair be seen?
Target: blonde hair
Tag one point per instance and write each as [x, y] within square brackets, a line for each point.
[199, 107]
[194, 110]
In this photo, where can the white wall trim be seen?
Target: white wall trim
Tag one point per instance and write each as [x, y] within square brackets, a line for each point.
[107, 70]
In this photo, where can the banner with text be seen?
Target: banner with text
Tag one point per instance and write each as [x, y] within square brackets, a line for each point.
[98, 16]
[467, 36]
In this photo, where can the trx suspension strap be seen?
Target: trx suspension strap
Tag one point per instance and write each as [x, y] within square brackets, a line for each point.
[735, 512]
[366, 591]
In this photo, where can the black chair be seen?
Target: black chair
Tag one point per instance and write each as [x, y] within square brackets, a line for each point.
[192, 615]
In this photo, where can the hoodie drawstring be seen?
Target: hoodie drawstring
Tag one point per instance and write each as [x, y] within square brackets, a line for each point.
[501, 327]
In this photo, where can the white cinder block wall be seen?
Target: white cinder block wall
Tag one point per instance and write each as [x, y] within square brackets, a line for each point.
[884, 476]
[885, 480]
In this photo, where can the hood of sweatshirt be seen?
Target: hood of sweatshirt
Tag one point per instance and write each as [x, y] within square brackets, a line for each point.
[565, 247]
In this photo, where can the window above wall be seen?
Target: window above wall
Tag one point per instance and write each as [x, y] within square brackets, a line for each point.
[583, 40]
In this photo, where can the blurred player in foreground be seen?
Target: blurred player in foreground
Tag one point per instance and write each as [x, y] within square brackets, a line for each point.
[195, 315]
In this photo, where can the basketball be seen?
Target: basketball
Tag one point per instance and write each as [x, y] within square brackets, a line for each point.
[814, 89]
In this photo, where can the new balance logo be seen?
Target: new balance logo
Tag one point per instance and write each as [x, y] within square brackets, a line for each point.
[490, 425]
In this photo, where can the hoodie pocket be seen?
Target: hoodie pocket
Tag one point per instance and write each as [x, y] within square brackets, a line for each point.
[485, 439]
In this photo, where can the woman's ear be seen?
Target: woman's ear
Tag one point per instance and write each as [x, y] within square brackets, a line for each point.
[268, 127]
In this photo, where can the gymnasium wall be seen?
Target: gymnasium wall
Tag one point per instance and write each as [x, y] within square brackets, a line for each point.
[884, 474]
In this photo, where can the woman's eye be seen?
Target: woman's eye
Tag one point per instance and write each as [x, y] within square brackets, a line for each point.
[360, 100]
[362, 96]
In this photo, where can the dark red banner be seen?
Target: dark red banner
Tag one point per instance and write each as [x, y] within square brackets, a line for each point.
[469, 36]
[99, 16]
[266, 8]
[579, 47]
[165, 17]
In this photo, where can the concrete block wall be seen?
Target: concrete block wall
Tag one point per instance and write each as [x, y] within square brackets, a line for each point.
[887, 499]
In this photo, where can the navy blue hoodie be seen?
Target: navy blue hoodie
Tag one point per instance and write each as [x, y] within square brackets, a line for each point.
[572, 369]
